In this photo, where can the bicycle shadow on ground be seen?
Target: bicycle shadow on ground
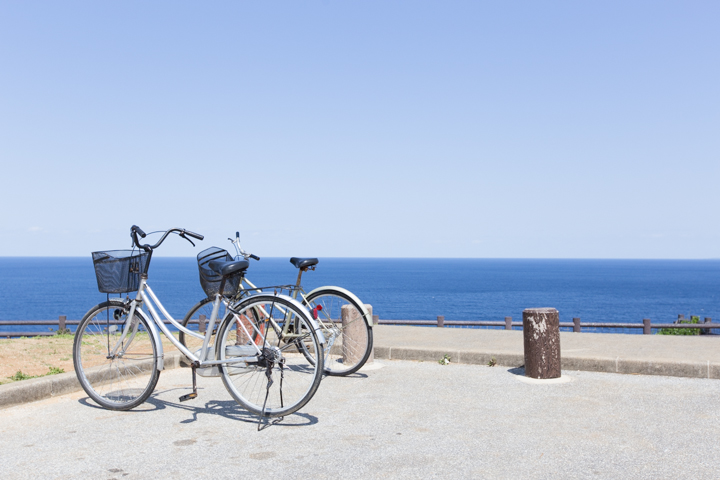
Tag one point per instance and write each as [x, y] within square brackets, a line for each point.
[352, 375]
[227, 409]
[146, 406]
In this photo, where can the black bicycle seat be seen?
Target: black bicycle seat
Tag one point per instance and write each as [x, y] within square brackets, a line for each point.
[304, 262]
[225, 268]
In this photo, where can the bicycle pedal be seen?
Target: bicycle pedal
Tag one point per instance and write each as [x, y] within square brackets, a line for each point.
[187, 397]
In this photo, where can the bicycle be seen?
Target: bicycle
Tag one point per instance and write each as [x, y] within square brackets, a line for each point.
[118, 354]
[337, 311]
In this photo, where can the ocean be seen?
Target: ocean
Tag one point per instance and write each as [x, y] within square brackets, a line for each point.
[34, 288]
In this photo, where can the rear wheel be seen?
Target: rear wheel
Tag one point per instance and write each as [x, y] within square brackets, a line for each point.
[274, 378]
[349, 337]
[118, 372]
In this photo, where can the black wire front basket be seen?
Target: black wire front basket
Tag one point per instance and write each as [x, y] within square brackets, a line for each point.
[118, 271]
[209, 280]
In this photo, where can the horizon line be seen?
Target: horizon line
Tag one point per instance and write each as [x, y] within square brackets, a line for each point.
[401, 258]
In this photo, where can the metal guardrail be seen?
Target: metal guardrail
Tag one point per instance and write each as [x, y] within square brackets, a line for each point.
[62, 323]
[576, 324]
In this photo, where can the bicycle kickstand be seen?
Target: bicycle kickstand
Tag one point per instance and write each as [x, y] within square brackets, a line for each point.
[192, 395]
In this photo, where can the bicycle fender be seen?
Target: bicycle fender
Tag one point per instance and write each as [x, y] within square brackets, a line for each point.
[366, 314]
[298, 305]
[156, 338]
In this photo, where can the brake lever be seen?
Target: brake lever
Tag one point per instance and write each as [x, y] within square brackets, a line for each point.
[186, 238]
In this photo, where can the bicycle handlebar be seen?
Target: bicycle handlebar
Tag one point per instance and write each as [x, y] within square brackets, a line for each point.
[239, 250]
[194, 235]
[135, 230]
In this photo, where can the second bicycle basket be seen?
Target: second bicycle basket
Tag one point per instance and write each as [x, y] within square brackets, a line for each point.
[118, 271]
[209, 279]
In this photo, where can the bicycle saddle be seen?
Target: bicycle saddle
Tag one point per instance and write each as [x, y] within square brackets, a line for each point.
[226, 268]
[304, 262]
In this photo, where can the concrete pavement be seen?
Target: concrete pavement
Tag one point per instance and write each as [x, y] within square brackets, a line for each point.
[396, 419]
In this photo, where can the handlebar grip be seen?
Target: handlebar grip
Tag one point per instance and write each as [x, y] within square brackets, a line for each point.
[138, 230]
[194, 235]
[254, 257]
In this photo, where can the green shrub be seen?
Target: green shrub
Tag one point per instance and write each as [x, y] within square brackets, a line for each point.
[19, 375]
[682, 331]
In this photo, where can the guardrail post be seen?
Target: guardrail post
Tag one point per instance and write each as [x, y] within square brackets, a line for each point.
[508, 323]
[371, 358]
[201, 323]
[706, 331]
[576, 325]
[441, 321]
[541, 335]
[61, 323]
[353, 326]
[646, 326]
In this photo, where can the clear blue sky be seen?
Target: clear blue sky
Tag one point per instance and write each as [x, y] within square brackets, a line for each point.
[363, 129]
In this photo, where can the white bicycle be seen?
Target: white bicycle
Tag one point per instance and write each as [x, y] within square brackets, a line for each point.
[343, 319]
[272, 367]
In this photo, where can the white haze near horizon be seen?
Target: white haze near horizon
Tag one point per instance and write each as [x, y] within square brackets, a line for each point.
[363, 129]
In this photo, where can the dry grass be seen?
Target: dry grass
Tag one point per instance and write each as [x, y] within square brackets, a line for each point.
[36, 355]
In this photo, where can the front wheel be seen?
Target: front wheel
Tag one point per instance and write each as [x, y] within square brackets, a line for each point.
[267, 372]
[117, 371]
[349, 337]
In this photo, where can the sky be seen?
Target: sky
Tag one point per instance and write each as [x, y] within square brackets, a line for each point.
[476, 129]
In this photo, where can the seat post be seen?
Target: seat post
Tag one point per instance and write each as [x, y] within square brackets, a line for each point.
[297, 284]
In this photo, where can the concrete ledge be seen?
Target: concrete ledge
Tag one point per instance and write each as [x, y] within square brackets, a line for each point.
[382, 352]
[35, 389]
[63, 383]
[504, 359]
[26, 391]
[608, 365]
[694, 357]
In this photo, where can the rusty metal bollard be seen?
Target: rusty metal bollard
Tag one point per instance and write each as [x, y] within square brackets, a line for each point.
[541, 333]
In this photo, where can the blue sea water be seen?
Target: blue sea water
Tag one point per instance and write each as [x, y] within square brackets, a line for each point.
[33, 288]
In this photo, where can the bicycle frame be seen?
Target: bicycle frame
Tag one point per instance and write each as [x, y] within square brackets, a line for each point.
[299, 290]
[147, 296]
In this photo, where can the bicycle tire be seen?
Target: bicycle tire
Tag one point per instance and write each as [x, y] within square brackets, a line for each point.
[345, 354]
[124, 381]
[280, 380]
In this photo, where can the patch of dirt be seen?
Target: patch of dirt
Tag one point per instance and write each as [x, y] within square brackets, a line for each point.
[36, 355]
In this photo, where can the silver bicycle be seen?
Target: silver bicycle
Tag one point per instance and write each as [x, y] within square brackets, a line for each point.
[272, 366]
[345, 322]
